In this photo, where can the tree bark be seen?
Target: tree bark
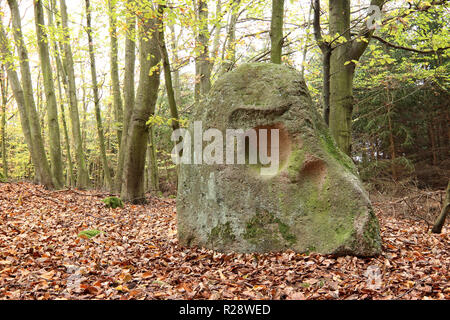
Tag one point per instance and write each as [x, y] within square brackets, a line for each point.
[176, 72]
[216, 40]
[153, 174]
[62, 78]
[149, 57]
[342, 68]
[52, 107]
[82, 173]
[276, 31]
[440, 221]
[202, 64]
[305, 46]
[37, 150]
[341, 77]
[117, 102]
[326, 49]
[101, 137]
[167, 72]
[4, 94]
[128, 94]
[16, 87]
[230, 56]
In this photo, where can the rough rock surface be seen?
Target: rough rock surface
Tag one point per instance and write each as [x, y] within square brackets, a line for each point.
[315, 203]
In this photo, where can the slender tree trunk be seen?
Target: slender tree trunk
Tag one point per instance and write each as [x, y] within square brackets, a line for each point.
[84, 107]
[62, 78]
[149, 56]
[276, 31]
[4, 94]
[432, 139]
[216, 40]
[153, 174]
[40, 105]
[326, 60]
[440, 221]
[305, 46]
[202, 64]
[230, 56]
[37, 150]
[326, 49]
[52, 107]
[176, 72]
[391, 142]
[167, 72]
[70, 174]
[101, 137]
[128, 94]
[13, 78]
[82, 173]
[118, 109]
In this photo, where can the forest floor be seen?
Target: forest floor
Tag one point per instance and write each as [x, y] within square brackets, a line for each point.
[137, 256]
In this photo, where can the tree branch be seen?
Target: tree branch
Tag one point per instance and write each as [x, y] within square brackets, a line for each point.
[393, 45]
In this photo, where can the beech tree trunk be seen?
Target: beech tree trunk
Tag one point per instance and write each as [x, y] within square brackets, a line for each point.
[16, 87]
[152, 172]
[82, 173]
[147, 93]
[4, 94]
[62, 78]
[202, 64]
[37, 150]
[50, 97]
[276, 31]
[176, 72]
[128, 94]
[341, 77]
[167, 72]
[230, 54]
[342, 69]
[117, 102]
[101, 137]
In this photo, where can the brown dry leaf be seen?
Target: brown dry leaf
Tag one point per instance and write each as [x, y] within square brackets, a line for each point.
[48, 275]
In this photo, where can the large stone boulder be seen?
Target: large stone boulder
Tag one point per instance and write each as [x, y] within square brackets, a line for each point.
[314, 202]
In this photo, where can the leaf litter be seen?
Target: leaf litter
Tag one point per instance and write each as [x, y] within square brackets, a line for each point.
[135, 255]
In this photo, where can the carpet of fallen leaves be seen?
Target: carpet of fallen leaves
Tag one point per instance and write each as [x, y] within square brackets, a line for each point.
[137, 257]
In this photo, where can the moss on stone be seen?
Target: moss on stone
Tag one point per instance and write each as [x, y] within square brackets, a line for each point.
[285, 232]
[256, 226]
[295, 162]
[259, 227]
[222, 233]
[330, 146]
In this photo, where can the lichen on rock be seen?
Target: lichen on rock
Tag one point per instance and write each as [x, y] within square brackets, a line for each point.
[314, 202]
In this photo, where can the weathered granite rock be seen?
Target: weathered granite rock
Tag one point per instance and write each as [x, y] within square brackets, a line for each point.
[315, 203]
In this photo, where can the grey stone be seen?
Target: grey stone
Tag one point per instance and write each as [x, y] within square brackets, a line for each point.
[314, 203]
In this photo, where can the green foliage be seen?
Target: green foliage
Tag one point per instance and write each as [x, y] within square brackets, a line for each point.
[113, 202]
[2, 177]
[402, 98]
[89, 233]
